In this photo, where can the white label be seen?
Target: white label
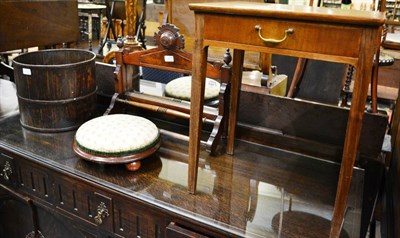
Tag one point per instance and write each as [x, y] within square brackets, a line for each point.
[26, 71]
[211, 83]
[169, 58]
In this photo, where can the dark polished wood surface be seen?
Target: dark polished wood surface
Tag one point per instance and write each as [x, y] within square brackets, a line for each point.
[27, 23]
[240, 195]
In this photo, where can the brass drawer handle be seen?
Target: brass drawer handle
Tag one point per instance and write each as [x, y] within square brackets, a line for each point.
[7, 171]
[273, 41]
[102, 212]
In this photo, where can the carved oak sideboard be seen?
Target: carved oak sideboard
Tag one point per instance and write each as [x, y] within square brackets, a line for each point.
[46, 189]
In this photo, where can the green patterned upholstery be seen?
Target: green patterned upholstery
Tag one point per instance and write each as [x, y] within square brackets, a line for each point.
[117, 135]
[180, 88]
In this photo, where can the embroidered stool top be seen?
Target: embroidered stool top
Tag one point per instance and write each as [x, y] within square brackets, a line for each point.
[116, 138]
[181, 88]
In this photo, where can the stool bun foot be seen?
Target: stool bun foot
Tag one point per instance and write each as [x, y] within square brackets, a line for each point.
[133, 166]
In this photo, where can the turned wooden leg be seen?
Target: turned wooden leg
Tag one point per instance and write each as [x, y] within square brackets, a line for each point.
[236, 82]
[90, 30]
[197, 101]
[352, 139]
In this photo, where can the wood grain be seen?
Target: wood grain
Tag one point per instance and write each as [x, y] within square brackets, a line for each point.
[23, 23]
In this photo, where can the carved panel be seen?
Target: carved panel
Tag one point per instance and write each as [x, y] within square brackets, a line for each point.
[35, 181]
[84, 201]
[131, 220]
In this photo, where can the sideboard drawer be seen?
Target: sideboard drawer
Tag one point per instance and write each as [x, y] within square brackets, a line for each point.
[80, 199]
[35, 180]
[306, 37]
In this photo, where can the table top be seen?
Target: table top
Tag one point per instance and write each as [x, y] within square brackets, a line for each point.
[295, 12]
[242, 194]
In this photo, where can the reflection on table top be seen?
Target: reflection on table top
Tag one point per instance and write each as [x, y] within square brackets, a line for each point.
[245, 194]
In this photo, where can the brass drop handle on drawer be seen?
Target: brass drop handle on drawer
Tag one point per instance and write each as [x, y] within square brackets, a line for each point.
[274, 41]
[6, 171]
[102, 212]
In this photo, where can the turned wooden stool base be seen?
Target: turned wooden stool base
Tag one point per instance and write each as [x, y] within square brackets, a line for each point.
[132, 162]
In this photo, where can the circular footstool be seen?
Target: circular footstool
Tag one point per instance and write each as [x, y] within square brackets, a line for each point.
[117, 139]
[181, 88]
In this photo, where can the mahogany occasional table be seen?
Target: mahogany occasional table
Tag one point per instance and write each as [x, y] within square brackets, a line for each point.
[334, 35]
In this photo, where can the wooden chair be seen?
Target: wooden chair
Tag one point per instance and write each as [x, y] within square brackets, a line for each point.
[178, 13]
[379, 61]
[169, 55]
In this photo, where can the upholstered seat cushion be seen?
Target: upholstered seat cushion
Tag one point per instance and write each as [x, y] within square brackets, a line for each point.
[181, 88]
[117, 135]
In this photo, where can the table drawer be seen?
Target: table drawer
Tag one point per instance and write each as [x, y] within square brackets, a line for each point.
[307, 37]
